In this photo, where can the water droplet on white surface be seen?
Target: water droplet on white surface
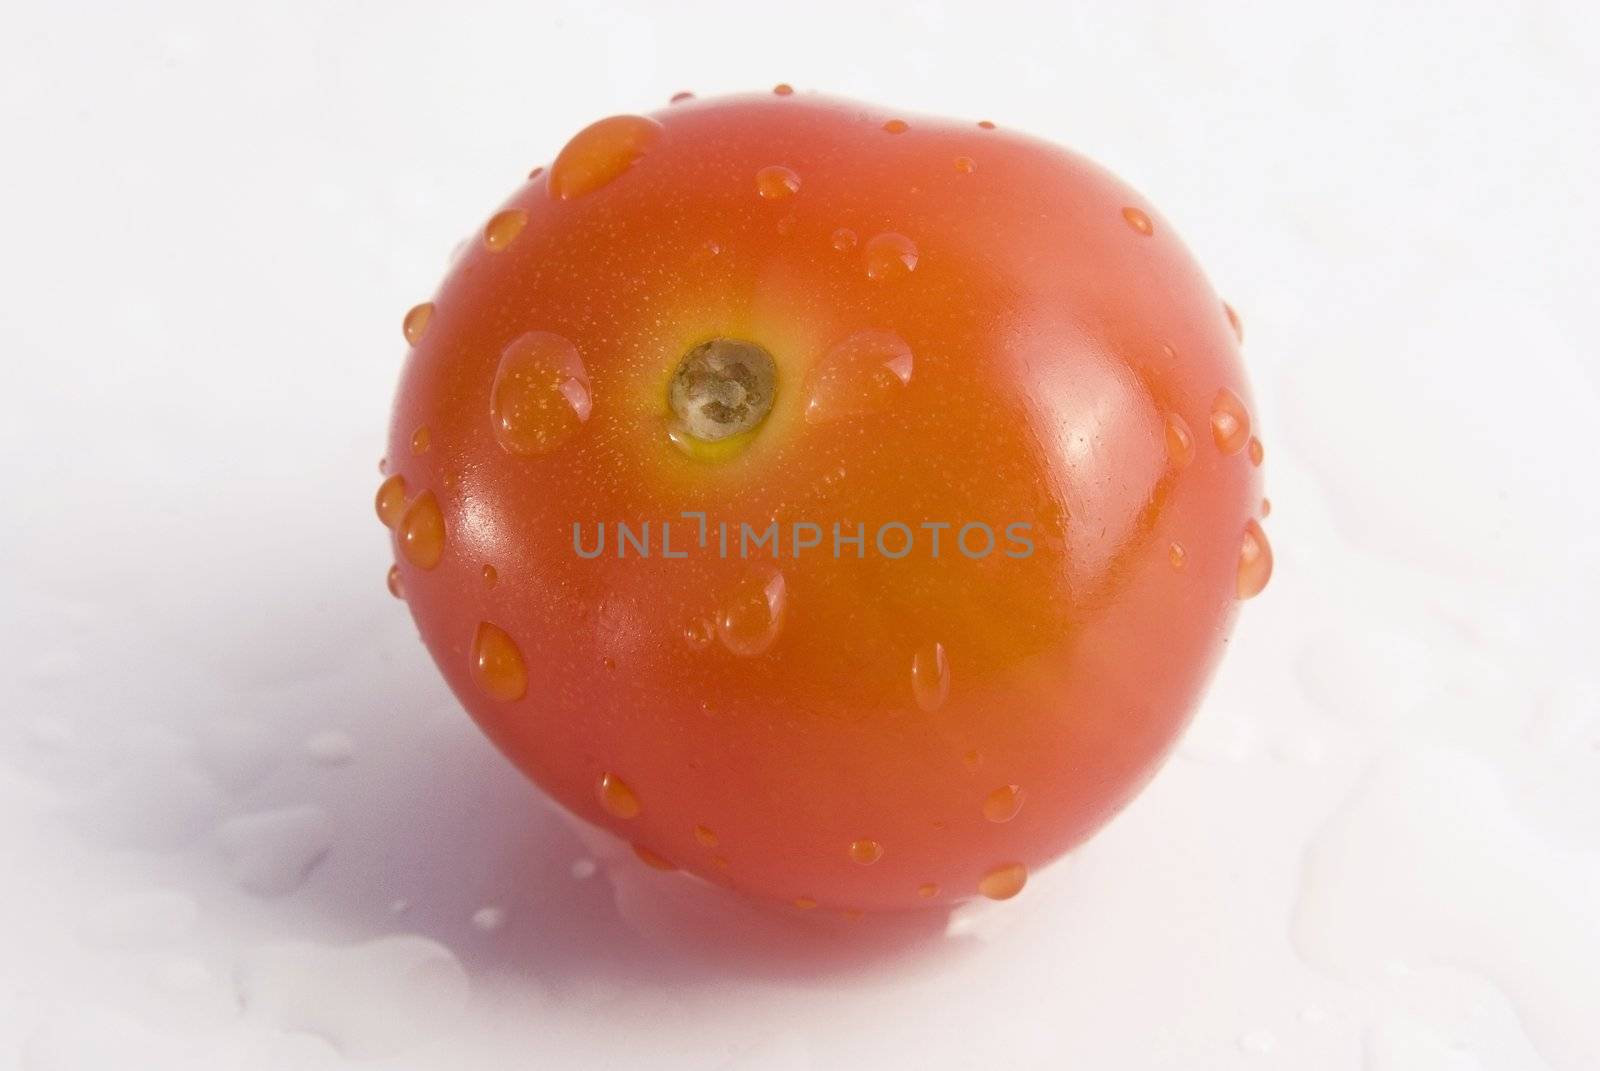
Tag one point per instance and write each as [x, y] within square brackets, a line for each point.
[140, 919]
[270, 853]
[369, 1000]
[330, 748]
[489, 919]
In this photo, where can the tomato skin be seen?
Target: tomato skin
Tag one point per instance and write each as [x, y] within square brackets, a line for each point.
[971, 718]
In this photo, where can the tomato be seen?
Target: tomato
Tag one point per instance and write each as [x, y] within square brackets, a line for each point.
[839, 505]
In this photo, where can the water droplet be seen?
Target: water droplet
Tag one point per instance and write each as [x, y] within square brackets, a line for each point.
[985, 124]
[396, 588]
[1138, 221]
[583, 869]
[1234, 322]
[497, 665]
[930, 676]
[973, 759]
[928, 890]
[421, 532]
[1004, 882]
[652, 860]
[866, 852]
[369, 1001]
[489, 919]
[503, 228]
[330, 748]
[1180, 441]
[1230, 423]
[783, 89]
[966, 165]
[420, 439]
[753, 616]
[890, 256]
[710, 249]
[1177, 555]
[1003, 803]
[680, 96]
[1266, 508]
[491, 576]
[777, 182]
[1256, 451]
[843, 239]
[719, 862]
[805, 903]
[535, 173]
[616, 797]
[540, 398]
[1255, 561]
[860, 375]
[706, 838]
[391, 501]
[896, 126]
[415, 325]
[601, 152]
[699, 633]
[270, 853]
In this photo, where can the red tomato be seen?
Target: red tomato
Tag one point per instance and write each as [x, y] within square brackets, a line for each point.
[932, 456]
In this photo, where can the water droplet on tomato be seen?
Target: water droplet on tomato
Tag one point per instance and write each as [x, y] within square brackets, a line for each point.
[420, 440]
[653, 860]
[928, 890]
[1234, 322]
[1266, 508]
[616, 797]
[1138, 221]
[415, 325]
[1004, 882]
[973, 759]
[1180, 441]
[391, 501]
[1003, 803]
[859, 375]
[966, 165]
[699, 633]
[753, 615]
[866, 852]
[497, 664]
[706, 838]
[396, 588]
[1256, 451]
[503, 228]
[535, 173]
[985, 124]
[843, 239]
[601, 152]
[1230, 423]
[540, 398]
[777, 182]
[1255, 561]
[680, 97]
[783, 89]
[805, 903]
[491, 576]
[890, 256]
[896, 126]
[930, 676]
[421, 532]
[1177, 555]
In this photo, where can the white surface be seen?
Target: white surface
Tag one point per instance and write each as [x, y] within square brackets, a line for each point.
[244, 825]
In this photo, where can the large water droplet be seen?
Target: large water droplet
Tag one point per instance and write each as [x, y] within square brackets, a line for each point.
[777, 182]
[391, 501]
[415, 325]
[503, 228]
[889, 256]
[866, 852]
[396, 586]
[616, 797]
[421, 532]
[860, 375]
[752, 616]
[1004, 882]
[1255, 561]
[540, 398]
[930, 676]
[497, 665]
[272, 852]
[1003, 803]
[601, 152]
[421, 439]
[1230, 422]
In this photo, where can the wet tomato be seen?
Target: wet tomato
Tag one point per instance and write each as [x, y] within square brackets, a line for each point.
[840, 505]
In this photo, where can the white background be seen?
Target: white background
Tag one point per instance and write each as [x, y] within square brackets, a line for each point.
[242, 823]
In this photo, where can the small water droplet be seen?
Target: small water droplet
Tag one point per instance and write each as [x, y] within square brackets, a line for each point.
[415, 325]
[652, 859]
[503, 228]
[896, 126]
[396, 587]
[1234, 322]
[1177, 555]
[601, 152]
[985, 124]
[1180, 441]
[1255, 561]
[710, 249]
[489, 919]
[421, 532]
[540, 398]
[930, 676]
[860, 375]
[928, 890]
[866, 852]
[1266, 508]
[805, 903]
[843, 239]
[699, 633]
[1256, 451]
[616, 797]
[583, 869]
[966, 165]
[420, 440]
[491, 576]
[497, 665]
[680, 96]
[1230, 423]
[753, 615]
[1138, 221]
[271, 852]
[391, 501]
[1004, 882]
[973, 759]
[783, 89]
[1003, 803]
[777, 182]
[853, 914]
[535, 173]
[330, 748]
[706, 838]
[889, 256]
